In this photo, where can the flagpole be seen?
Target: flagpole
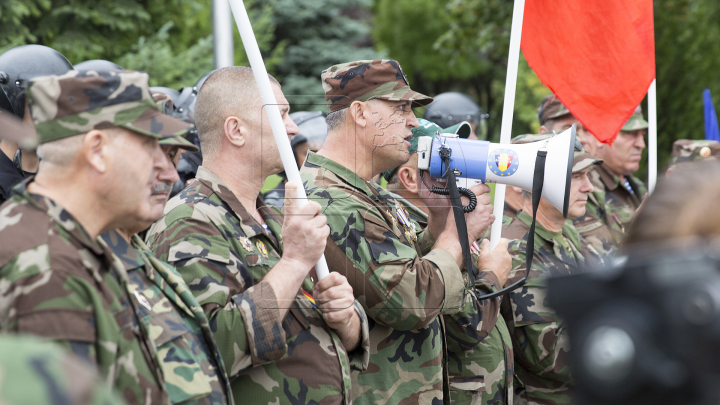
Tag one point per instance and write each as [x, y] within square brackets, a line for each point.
[508, 109]
[652, 136]
[270, 104]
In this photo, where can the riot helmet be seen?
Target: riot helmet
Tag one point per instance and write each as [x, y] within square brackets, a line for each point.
[97, 64]
[18, 65]
[451, 108]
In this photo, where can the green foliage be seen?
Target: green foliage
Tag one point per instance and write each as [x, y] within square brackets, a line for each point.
[458, 46]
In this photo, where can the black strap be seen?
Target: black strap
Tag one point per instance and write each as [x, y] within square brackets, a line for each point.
[538, 180]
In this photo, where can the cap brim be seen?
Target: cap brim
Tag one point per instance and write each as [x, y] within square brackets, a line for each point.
[418, 99]
[462, 130]
[16, 131]
[158, 125]
[180, 142]
[587, 163]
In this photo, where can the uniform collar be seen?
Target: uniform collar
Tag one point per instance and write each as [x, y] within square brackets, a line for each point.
[249, 225]
[59, 214]
[568, 231]
[608, 178]
[128, 255]
[345, 174]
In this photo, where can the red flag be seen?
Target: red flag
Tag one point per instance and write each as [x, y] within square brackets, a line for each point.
[597, 56]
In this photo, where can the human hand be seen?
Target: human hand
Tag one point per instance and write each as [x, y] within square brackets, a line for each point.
[334, 298]
[497, 260]
[304, 230]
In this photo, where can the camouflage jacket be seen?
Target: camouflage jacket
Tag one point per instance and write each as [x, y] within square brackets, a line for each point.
[401, 281]
[190, 360]
[479, 362]
[60, 284]
[539, 338]
[222, 254]
[41, 373]
[612, 205]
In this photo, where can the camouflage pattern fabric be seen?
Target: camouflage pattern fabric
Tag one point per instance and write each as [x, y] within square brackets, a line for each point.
[80, 101]
[401, 282]
[190, 360]
[60, 284]
[222, 254]
[694, 150]
[540, 341]
[636, 121]
[611, 204]
[364, 80]
[479, 363]
[40, 373]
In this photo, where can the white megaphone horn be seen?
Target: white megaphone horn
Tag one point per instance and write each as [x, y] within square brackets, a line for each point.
[511, 164]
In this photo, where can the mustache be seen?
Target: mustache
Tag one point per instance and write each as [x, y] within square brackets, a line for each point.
[161, 188]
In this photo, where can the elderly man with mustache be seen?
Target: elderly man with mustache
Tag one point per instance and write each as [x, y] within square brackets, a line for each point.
[183, 331]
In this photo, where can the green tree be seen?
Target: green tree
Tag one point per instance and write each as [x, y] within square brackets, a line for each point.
[314, 35]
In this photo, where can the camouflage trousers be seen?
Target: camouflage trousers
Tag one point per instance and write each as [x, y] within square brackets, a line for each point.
[480, 398]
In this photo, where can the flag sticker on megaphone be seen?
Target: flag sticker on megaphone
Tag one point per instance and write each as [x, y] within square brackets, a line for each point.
[503, 162]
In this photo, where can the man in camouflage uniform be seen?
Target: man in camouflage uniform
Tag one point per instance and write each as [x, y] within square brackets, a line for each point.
[192, 367]
[540, 343]
[595, 226]
[403, 278]
[59, 281]
[248, 266]
[686, 151]
[479, 362]
[613, 181]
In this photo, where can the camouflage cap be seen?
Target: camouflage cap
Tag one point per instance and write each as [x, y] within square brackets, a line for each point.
[80, 101]
[636, 121]
[550, 108]
[364, 80]
[694, 150]
[180, 142]
[582, 160]
[428, 128]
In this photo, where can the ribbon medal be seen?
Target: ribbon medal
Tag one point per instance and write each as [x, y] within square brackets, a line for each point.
[309, 298]
[245, 242]
[261, 248]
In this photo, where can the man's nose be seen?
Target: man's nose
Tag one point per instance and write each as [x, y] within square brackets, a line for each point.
[412, 120]
[291, 128]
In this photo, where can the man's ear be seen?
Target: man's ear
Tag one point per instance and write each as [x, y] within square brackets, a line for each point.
[95, 149]
[408, 178]
[236, 131]
[359, 111]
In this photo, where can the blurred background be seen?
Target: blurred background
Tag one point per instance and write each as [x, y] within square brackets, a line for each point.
[442, 45]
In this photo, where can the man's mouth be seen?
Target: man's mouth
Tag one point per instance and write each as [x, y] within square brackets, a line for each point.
[163, 188]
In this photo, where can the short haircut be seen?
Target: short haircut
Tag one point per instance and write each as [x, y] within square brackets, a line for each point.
[335, 119]
[62, 152]
[230, 91]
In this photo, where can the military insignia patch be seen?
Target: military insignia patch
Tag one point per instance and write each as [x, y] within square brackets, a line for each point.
[246, 244]
[503, 162]
[261, 248]
[143, 300]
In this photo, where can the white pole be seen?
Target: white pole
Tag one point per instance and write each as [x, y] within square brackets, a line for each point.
[223, 51]
[652, 136]
[268, 97]
[508, 107]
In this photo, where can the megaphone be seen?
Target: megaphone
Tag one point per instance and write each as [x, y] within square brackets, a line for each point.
[480, 161]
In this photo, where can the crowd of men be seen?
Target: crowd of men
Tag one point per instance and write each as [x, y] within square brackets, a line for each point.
[143, 239]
